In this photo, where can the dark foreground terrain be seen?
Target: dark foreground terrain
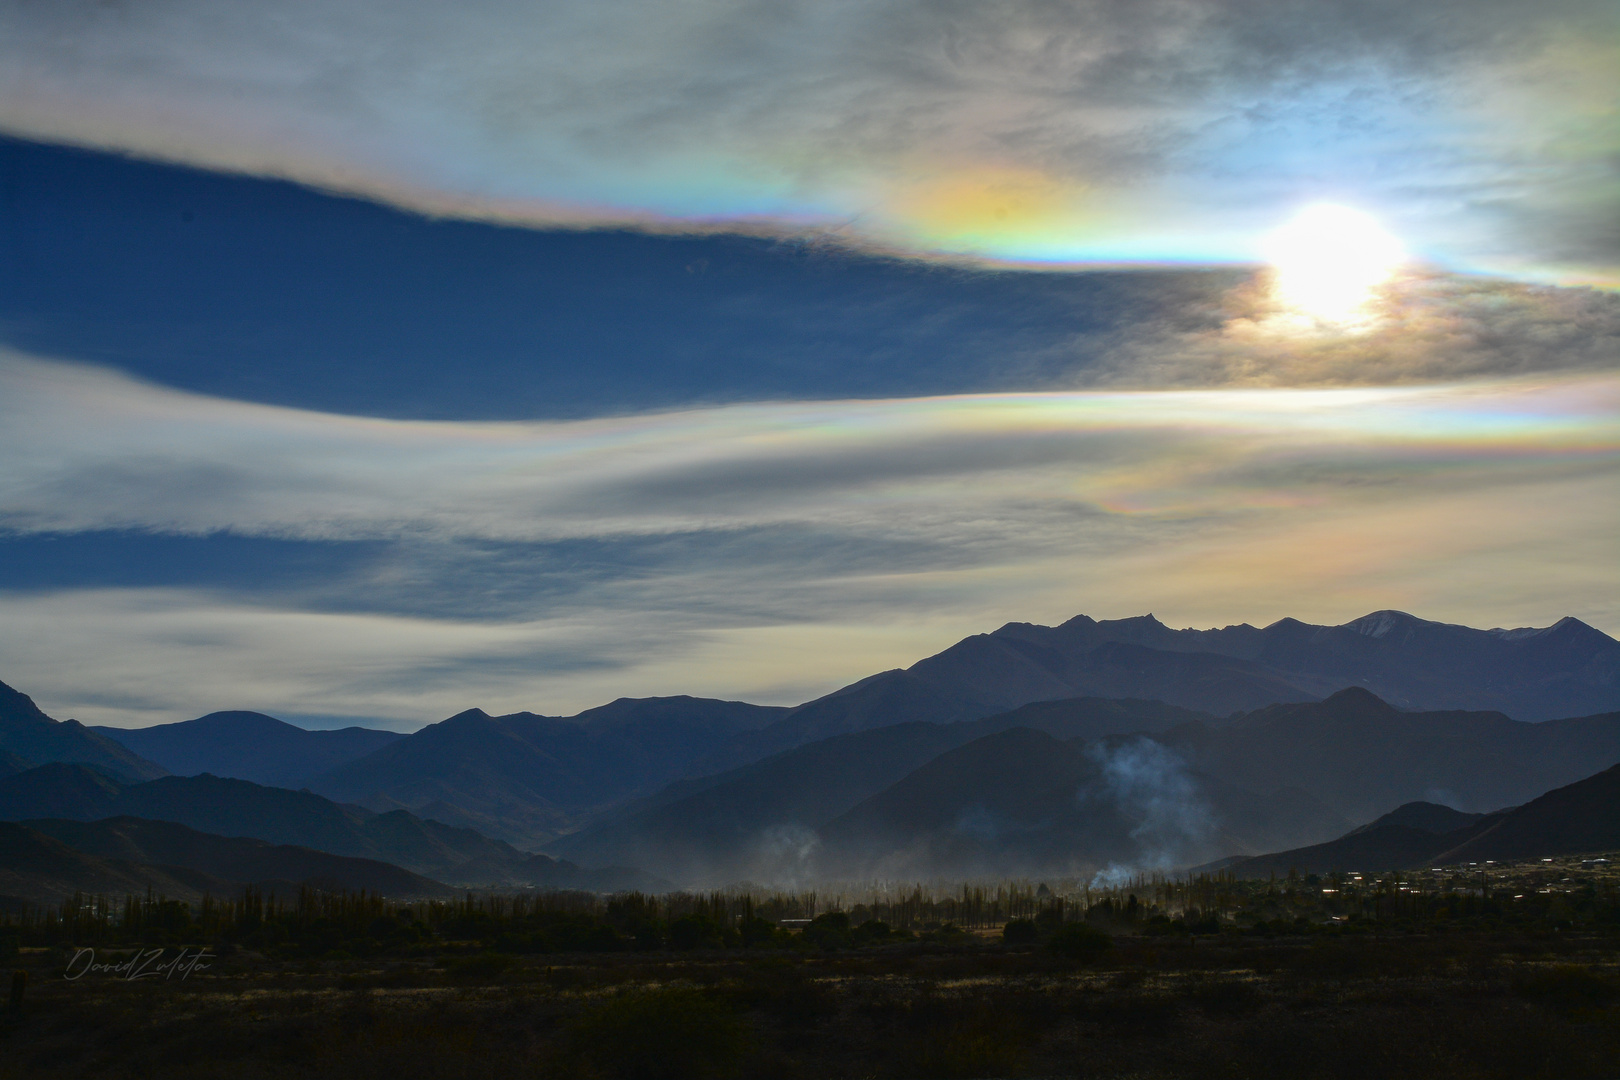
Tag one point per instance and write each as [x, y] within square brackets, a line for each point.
[1481, 972]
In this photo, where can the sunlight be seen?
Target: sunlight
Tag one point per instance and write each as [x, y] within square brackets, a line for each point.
[1329, 259]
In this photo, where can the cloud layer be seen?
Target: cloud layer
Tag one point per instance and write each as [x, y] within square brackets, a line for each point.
[772, 551]
[1096, 130]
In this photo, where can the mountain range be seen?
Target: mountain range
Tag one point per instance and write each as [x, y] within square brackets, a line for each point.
[1243, 739]
[1567, 669]
[528, 778]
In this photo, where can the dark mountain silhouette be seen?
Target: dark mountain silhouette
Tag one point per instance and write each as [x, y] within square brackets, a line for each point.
[1577, 818]
[1022, 663]
[1571, 820]
[527, 778]
[39, 869]
[1564, 670]
[759, 821]
[523, 777]
[248, 746]
[1362, 756]
[1424, 816]
[167, 845]
[10, 763]
[239, 808]
[1567, 669]
[32, 736]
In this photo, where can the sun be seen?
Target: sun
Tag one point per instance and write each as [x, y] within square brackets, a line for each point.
[1329, 259]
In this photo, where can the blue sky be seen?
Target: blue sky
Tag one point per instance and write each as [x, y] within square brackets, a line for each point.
[540, 354]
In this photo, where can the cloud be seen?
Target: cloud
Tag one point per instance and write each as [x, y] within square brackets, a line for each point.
[768, 551]
[1028, 130]
[1421, 327]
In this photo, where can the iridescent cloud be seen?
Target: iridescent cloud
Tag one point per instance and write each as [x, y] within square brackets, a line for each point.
[1099, 131]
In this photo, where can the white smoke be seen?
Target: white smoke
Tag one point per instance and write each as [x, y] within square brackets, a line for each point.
[787, 854]
[1171, 822]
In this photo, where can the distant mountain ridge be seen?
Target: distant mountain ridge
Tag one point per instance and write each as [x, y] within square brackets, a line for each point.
[1567, 669]
[522, 777]
[248, 746]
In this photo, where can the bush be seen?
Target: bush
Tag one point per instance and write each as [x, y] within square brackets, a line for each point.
[695, 932]
[756, 931]
[828, 931]
[1079, 941]
[1020, 932]
[871, 932]
[667, 1034]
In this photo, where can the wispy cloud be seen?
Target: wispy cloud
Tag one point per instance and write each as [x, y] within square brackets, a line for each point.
[775, 550]
[1087, 130]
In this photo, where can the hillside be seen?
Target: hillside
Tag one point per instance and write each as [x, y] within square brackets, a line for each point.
[238, 808]
[1570, 820]
[1363, 757]
[760, 821]
[1022, 803]
[240, 860]
[39, 869]
[30, 735]
[1278, 777]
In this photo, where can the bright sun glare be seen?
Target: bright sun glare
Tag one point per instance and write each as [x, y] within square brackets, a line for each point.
[1329, 259]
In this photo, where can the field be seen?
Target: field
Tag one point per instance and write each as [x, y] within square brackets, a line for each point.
[1389, 976]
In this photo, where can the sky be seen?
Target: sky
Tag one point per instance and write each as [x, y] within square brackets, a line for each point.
[367, 362]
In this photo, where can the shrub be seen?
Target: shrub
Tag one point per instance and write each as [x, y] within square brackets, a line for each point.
[828, 931]
[1020, 932]
[1080, 941]
[756, 931]
[695, 932]
[871, 932]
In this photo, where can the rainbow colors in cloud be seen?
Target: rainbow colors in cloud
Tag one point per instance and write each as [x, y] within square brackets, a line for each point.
[1064, 135]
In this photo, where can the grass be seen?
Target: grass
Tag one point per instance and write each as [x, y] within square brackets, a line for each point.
[1431, 1005]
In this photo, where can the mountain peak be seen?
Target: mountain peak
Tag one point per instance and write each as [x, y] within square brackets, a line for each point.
[1380, 623]
[1357, 699]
